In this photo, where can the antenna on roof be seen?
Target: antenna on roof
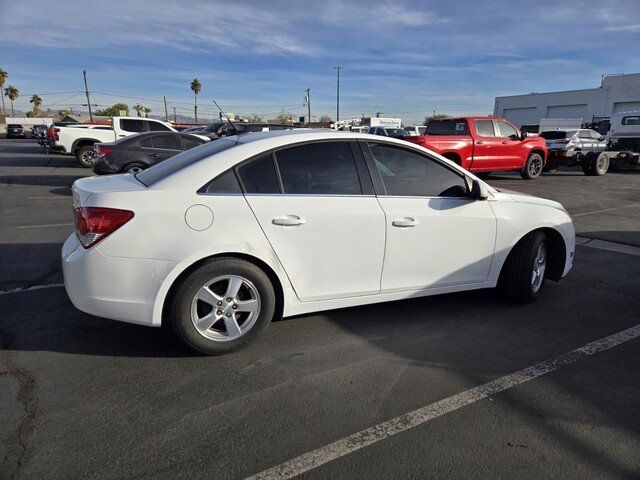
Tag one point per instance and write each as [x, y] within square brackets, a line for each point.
[226, 116]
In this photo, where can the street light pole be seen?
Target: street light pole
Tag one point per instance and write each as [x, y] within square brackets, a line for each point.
[338, 93]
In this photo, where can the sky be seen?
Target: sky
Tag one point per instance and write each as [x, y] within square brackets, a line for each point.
[406, 59]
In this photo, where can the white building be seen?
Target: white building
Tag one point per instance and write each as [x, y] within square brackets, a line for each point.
[617, 93]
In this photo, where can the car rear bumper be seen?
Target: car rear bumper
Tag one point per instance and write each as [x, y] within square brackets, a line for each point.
[118, 288]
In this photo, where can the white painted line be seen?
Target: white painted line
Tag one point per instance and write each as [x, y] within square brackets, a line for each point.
[614, 247]
[43, 226]
[29, 289]
[364, 438]
[573, 215]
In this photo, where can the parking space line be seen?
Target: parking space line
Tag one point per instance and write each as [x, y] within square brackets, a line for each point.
[402, 423]
[49, 225]
[573, 215]
[28, 289]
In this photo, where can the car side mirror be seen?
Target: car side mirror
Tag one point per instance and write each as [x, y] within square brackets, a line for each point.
[478, 192]
[601, 138]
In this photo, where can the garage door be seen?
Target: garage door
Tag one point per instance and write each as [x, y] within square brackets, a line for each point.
[567, 111]
[522, 116]
[626, 107]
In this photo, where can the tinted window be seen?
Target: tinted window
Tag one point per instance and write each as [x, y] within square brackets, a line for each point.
[631, 120]
[224, 183]
[555, 135]
[133, 125]
[158, 127]
[146, 143]
[189, 142]
[406, 173]
[484, 128]
[448, 127]
[176, 163]
[326, 168]
[506, 130]
[166, 142]
[259, 175]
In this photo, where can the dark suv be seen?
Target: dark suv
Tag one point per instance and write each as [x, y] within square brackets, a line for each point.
[224, 129]
[15, 131]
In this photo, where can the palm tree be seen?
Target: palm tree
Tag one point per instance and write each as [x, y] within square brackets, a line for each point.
[147, 111]
[196, 86]
[3, 78]
[37, 103]
[13, 93]
[139, 109]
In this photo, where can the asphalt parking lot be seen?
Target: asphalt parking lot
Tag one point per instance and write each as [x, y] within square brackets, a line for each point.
[85, 397]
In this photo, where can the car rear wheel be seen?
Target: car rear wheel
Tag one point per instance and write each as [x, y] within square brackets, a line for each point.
[532, 167]
[523, 274]
[84, 155]
[222, 305]
[596, 166]
[134, 168]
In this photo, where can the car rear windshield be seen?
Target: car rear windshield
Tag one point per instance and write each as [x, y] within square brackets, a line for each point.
[556, 135]
[176, 163]
[448, 127]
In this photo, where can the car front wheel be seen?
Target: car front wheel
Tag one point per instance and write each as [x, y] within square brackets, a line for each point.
[523, 275]
[222, 305]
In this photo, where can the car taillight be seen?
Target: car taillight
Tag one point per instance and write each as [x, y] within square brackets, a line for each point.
[56, 137]
[101, 151]
[95, 223]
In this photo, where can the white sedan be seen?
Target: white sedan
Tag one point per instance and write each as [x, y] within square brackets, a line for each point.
[221, 239]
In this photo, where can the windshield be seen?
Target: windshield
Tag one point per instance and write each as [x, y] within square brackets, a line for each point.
[397, 132]
[556, 134]
[162, 170]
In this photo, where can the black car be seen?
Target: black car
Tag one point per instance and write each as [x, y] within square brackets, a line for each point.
[137, 152]
[225, 129]
[388, 132]
[15, 131]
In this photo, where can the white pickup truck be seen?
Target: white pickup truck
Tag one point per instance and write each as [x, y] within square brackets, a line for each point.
[79, 140]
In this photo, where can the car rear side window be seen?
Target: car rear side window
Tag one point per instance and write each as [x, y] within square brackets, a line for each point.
[158, 127]
[259, 175]
[448, 127]
[162, 170]
[130, 125]
[166, 142]
[225, 183]
[484, 128]
[506, 130]
[189, 142]
[323, 168]
[405, 173]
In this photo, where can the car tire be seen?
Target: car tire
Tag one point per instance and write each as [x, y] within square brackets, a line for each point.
[532, 167]
[134, 167]
[231, 328]
[596, 166]
[518, 280]
[84, 155]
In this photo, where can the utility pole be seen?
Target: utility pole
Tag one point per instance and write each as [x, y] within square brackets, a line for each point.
[175, 118]
[166, 114]
[86, 91]
[338, 93]
[308, 90]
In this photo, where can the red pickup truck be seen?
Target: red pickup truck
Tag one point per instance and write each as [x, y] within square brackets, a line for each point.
[484, 145]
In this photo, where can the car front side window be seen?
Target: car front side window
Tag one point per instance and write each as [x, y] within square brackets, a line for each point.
[409, 174]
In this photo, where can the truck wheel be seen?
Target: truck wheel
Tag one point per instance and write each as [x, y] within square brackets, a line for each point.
[523, 274]
[532, 167]
[84, 155]
[601, 165]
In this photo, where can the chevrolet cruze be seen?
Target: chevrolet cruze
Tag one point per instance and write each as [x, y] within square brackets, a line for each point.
[221, 239]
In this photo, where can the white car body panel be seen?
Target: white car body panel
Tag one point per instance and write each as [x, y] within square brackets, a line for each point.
[333, 260]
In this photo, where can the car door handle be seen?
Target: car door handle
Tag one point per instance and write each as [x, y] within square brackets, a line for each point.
[479, 142]
[405, 222]
[505, 142]
[289, 221]
[154, 155]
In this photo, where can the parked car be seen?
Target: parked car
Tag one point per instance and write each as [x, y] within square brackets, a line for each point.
[138, 152]
[193, 129]
[388, 132]
[79, 140]
[485, 145]
[15, 131]
[219, 240]
[225, 129]
[560, 142]
[416, 130]
[37, 130]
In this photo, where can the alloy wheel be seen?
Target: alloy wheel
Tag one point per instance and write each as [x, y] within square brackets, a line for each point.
[225, 308]
[539, 266]
[535, 166]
